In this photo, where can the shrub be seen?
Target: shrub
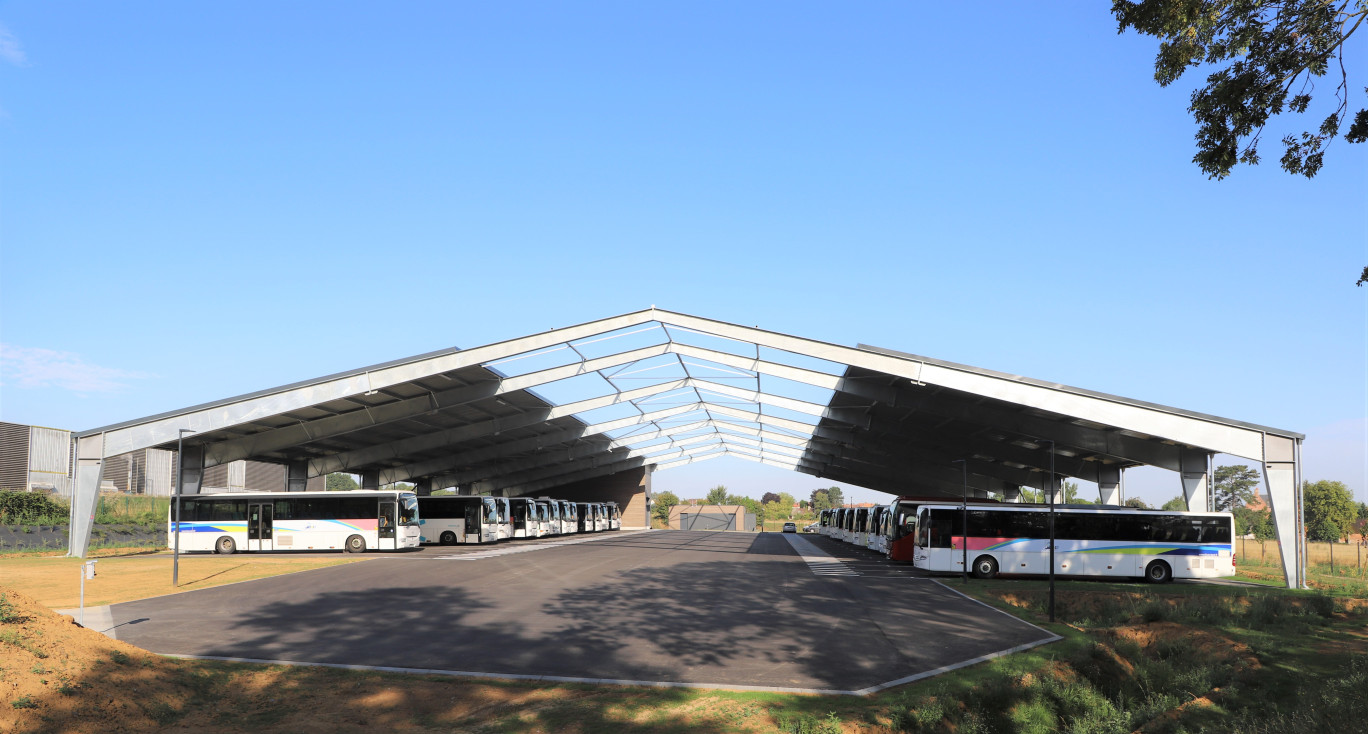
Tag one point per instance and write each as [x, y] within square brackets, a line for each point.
[35, 508]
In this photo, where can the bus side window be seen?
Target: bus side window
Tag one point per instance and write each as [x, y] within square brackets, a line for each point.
[1216, 530]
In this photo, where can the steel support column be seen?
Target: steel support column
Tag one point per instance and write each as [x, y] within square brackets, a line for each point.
[1109, 484]
[370, 480]
[1193, 464]
[297, 476]
[85, 492]
[1282, 474]
[191, 480]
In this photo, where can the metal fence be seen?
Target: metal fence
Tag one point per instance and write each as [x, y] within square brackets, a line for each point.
[1336, 557]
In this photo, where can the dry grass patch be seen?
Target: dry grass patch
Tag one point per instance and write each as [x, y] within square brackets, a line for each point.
[55, 581]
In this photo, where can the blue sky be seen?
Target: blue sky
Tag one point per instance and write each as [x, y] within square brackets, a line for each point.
[201, 201]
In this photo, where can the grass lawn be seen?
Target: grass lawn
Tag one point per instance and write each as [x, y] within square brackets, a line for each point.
[54, 581]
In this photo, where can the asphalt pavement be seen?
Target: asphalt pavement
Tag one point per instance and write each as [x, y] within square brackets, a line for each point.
[690, 608]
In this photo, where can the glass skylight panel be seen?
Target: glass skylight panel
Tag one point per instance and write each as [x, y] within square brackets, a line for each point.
[608, 413]
[796, 390]
[534, 361]
[792, 415]
[574, 389]
[711, 341]
[721, 398]
[680, 419]
[792, 359]
[680, 396]
[647, 372]
[706, 370]
[622, 340]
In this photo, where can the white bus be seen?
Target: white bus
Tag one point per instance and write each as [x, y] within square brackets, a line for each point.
[569, 517]
[1089, 541]
[505, 509]
[550, 512]
[453, 519]
[353, 521]
[598, 513]
[859, 527]
[614, 515]
[526, 520]
[588, 517]
[878, 521]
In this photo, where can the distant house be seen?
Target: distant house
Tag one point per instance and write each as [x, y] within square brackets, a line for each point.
[711, 517]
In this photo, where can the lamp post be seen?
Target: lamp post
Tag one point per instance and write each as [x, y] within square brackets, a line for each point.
[964, 520]
[176, 506]
[1052, 527]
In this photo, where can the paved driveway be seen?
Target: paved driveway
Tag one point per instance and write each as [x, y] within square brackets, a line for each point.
[702, 608]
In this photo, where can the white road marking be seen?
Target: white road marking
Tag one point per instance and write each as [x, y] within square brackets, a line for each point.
[506, 550]
[821, 562]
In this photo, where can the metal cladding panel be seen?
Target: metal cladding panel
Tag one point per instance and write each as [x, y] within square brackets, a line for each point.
[157, 472]
[237, 475]
[263, 476]
[706, 521]
[115, 471]
[14, 455]
[48, 482]
[50, 451]
[216, 476]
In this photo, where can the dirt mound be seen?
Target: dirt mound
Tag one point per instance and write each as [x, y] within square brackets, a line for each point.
[56, 675]
[1210, 646]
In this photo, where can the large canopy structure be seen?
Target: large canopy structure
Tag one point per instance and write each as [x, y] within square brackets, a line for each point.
[654, 389]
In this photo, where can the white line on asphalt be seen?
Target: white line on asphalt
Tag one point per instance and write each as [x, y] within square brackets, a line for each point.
[821, 562]
[504, 550]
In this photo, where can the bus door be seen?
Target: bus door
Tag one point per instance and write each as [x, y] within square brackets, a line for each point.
[386, 526]
[260, 530]
[489, 529]
[474, 514]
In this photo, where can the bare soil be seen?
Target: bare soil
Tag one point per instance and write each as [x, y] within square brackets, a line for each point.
[56, 676]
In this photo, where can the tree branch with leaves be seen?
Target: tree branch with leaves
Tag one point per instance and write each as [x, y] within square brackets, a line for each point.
[1268, 56]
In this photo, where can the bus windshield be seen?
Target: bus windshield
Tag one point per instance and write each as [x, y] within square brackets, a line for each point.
[408, 509]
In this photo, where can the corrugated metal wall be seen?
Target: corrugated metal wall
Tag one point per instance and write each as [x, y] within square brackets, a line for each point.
[49, 451]
[706, 521]
[114, 473]
[239, 476]
[14, 456]
[35, 458]
[264, 476]
[216, 478]
[161, 467]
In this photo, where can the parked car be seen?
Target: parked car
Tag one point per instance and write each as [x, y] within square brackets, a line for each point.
[815, 527]
[790, 527]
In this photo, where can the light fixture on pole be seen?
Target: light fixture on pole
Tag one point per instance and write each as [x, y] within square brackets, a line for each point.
[1052, 482]
[964, 519]
[176, 506]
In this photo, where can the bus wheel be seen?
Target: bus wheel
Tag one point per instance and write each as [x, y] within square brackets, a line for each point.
[1158, 573]
[225, 546]
[985, 567]
[448, 538]
[355, 544]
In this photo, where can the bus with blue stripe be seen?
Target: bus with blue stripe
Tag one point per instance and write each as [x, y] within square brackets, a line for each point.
[352, 521]
[1090, 540]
